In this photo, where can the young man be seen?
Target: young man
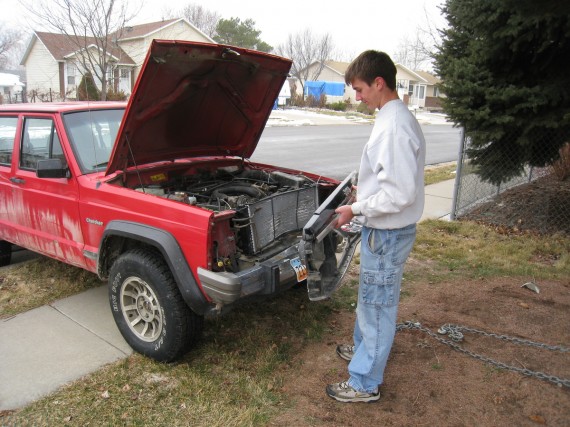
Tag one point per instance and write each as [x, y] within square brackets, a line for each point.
[389, 202]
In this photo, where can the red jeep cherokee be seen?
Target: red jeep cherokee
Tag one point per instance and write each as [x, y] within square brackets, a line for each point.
[158, 195]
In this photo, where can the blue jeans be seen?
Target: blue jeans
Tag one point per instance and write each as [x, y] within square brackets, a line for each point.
[382, 257]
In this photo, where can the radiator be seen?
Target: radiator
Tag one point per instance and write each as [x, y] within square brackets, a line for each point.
[276, 215]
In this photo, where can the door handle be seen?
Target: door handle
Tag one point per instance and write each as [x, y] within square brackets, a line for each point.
[16, 180]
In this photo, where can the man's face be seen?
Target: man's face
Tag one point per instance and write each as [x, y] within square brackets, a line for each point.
[369, 94]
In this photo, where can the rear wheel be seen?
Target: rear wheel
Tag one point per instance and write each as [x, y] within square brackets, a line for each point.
[148, 308]
[5, 253]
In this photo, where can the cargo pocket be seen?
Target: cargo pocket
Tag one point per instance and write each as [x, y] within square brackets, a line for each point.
[379, 287]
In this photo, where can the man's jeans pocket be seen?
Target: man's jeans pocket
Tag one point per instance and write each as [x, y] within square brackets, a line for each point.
[380, 287]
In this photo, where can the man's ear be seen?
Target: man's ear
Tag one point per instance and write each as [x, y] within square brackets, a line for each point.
[379, 82]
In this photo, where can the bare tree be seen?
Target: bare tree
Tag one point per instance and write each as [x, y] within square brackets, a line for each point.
[205, 20]
[308, 53]
[10, 45]
[92, 27]
[414, 53]
[417, 52]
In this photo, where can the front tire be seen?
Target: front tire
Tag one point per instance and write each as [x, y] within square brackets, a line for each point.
[148, 308]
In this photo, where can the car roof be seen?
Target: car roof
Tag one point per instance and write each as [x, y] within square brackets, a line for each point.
[59, 107]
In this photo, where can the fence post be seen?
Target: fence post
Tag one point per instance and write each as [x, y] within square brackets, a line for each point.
[458, 172]
[530, 173]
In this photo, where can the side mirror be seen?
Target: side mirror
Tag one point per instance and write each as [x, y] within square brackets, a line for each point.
[52, 168]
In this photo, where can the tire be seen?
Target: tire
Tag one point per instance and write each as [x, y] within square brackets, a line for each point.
[148, 308]
[5, 253]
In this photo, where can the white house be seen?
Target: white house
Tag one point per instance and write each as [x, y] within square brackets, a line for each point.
[10, 88]
[53, 69]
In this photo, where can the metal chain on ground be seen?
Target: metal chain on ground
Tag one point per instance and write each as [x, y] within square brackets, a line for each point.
[455, 334]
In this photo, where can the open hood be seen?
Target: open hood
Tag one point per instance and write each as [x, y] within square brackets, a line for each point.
[197, 99]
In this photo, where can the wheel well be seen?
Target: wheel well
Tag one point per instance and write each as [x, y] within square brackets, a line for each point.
[120, 236]
[113, 247]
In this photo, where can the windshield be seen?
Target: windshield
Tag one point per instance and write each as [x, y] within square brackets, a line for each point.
[92, 135]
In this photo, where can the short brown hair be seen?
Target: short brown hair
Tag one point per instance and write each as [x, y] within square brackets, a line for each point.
[369, 65]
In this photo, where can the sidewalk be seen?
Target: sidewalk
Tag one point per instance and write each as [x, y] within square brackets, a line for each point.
[47, 347]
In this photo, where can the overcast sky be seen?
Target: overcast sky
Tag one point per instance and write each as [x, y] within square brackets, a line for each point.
[354, 27]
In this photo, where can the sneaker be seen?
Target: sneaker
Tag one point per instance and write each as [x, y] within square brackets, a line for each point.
[345, 351]
[345, 393]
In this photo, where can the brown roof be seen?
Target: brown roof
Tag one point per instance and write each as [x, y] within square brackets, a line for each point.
[61, 46]
[142, 30]
[339, 67]
[431, 79]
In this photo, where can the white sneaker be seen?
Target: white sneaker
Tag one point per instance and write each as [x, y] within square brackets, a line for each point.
[345, 393]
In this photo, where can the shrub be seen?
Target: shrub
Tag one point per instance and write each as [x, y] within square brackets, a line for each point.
[363, 108]
[297, 100]
[87, 90]
[119, 95]
[312, 101]
[338, 106]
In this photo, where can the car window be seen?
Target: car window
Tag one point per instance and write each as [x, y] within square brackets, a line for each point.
[92, 136]
[7, 135]
[40, 141]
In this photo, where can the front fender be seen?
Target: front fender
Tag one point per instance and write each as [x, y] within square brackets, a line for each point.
[167, 245]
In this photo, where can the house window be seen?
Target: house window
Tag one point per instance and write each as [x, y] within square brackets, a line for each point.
[411, 89]
[71, 74]
[422, 92]
[401, 84]
[124, 73]
[110, 76]
[435, 91]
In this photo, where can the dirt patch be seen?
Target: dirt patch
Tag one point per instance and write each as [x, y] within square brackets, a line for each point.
[541, 206]
[429, 383]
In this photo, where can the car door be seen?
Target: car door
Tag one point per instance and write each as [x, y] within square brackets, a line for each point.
[45, 211]
[325, 250]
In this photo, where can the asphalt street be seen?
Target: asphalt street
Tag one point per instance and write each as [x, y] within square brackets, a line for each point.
[334, 150]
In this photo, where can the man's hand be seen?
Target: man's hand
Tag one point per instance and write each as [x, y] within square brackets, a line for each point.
[344, 215]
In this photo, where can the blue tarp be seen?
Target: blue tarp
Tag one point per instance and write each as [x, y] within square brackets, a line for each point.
[327, 88]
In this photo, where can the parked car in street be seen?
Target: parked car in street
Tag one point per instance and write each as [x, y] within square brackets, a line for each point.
[158, 196]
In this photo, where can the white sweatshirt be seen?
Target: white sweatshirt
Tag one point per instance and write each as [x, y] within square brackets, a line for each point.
[390, 191]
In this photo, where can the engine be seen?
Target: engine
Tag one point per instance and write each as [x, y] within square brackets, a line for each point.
[267, 204]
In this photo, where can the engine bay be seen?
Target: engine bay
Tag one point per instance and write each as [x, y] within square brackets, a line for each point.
[225, 188]
[258, 210]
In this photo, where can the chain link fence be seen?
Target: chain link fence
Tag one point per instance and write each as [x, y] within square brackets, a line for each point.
[537, 200]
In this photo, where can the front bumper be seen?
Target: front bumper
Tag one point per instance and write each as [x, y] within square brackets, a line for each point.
[278, 272]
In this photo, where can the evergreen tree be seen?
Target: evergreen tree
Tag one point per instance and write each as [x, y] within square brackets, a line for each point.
[87, 90]
[243, 34]
[503, 66]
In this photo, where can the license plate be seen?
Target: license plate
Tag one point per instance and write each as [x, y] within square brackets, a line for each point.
[300, 269]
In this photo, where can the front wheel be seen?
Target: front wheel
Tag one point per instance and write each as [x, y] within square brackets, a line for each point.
[148, 308]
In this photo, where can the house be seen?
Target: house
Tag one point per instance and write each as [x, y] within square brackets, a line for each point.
[415, 88]
[10, 88]
[433, 92]
[53, 65]
[333, 73]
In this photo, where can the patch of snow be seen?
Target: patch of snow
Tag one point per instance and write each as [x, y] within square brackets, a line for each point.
[299, 117]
